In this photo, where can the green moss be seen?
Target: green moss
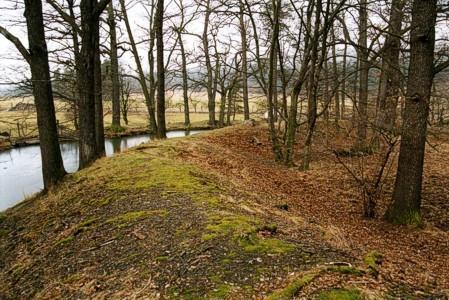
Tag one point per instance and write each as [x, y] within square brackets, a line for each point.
[233, 225]
[373, 260]
[293, 288]
[346, 270]
[65, 240]
[272, 228]
[340, 294]
[81, 227]
[220, 292]
[73, 278]
[85, 225]
[162, 258]
[208, 236]
[127, 219]
[100, 202]
[151, 172]
[243, 229]
[412, 218]
[255, 244]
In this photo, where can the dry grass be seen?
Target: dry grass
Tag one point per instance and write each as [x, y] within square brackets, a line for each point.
[11, 121]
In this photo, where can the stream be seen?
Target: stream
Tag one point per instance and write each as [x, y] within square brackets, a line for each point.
[21, 168]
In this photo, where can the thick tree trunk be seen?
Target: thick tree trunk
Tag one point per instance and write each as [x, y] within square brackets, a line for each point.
[88, 143]
[158, 22]
[114, 68]
[405, 208]
[52, 164]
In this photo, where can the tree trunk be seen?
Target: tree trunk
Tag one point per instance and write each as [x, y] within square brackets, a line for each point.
[99, 122]
[343, 82]
[88, 143]
[52, 164]
[114, 68]
[337, 116]
[210, 80]
[158, 22]
[149, 101]
[364, 72]
[406, 205]
[244, 61]
[271, 84]
[390, 80]
[185, 82]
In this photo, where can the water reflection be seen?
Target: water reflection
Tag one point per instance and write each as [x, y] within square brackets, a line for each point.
[21, 170]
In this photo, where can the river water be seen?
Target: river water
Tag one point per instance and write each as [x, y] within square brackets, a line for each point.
[21, 168]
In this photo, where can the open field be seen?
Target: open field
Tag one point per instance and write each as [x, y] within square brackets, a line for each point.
[22, 123]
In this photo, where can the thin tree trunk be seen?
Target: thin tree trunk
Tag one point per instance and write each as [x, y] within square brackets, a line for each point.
[114, 68]
[244, 61]
[343, 82]
[337, 116]
[406, 205]
[271, 84]
[210, 79]
[99, 122]
[149, 101]
[364, 72]
[185, 82]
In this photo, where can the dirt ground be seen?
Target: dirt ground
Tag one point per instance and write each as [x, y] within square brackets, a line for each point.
[212, 216]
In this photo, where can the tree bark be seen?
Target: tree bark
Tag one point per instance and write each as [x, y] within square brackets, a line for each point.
[390, 80]
[210, 79]
[88, 143]
[185, 82]
[114, 68]
[406, 205]
[244, 61]
[158, 22]
[99, 119]
[362, 106]
[278, 156]
[52, 164]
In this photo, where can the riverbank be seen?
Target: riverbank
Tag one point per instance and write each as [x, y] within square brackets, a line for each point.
[211, 216]
[109, 133]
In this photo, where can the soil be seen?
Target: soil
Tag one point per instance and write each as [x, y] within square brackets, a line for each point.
[212, 216]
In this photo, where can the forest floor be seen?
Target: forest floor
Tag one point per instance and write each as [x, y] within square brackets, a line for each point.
[212, 216]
